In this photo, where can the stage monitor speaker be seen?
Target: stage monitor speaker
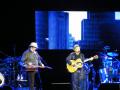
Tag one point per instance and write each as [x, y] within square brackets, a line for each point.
[109, 86]
[61, 86]
[5, 87]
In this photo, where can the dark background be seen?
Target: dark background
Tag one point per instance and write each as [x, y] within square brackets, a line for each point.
[17, 19]
[17, 26]
[17, 30]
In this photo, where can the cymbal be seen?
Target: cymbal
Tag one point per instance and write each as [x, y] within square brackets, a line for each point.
[8, 60]
[106, 47]
[112, 54]
[12, 59]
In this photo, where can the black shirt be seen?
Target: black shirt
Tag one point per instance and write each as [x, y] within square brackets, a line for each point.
[74, 56]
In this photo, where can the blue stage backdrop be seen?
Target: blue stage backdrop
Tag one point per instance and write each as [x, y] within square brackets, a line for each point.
[99, 29]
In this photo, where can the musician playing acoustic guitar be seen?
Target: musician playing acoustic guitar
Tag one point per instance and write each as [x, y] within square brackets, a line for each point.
[31, 59]
[75, 66]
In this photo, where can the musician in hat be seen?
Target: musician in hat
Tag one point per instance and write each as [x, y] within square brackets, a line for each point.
[31, 59]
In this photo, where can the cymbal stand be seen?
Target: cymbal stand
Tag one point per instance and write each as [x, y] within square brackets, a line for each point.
[12, 73]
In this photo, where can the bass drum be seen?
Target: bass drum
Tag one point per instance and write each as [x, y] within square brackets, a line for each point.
[2, 79]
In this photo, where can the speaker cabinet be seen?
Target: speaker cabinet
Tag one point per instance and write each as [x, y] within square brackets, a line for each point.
[110, 86]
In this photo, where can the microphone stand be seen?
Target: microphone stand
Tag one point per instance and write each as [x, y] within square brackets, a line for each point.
[14, 74]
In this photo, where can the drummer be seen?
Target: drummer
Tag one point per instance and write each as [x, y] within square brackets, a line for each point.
[103, 55]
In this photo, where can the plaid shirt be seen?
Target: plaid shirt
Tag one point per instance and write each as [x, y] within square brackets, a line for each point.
[31, 57]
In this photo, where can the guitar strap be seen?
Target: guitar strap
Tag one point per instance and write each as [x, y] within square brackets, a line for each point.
[81, 56]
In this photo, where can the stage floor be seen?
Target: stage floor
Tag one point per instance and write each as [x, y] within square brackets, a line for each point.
[66, 86]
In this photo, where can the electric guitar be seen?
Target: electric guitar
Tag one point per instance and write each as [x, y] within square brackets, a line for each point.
[35, 68]
[78, 63]
[31, 67]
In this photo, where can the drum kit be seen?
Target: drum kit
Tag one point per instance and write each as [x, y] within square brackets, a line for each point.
[9, 70]
[110, 72]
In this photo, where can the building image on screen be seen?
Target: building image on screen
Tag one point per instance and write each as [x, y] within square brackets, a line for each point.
[63, 29]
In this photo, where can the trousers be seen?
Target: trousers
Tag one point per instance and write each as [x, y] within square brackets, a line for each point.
[34, 80]
[79, 81]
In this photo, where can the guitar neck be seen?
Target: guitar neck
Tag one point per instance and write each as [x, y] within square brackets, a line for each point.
[89, 59]
[44, 67]
[38, 66]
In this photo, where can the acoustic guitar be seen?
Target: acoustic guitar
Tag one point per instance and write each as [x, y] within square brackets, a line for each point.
[78, 63]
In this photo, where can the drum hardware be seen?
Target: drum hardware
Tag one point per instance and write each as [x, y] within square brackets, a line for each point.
[21, 79]
[9, 68]
[103, 75]
[109, 73]
[2, 80]
[112, 54]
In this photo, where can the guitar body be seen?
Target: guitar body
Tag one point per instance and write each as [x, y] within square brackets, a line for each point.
[35, 68]
[75, 64]
[31, 67]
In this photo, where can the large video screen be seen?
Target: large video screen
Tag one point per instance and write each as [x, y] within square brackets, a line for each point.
[63, 29]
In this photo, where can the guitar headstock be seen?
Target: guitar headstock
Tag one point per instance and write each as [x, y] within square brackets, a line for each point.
[95, 57]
